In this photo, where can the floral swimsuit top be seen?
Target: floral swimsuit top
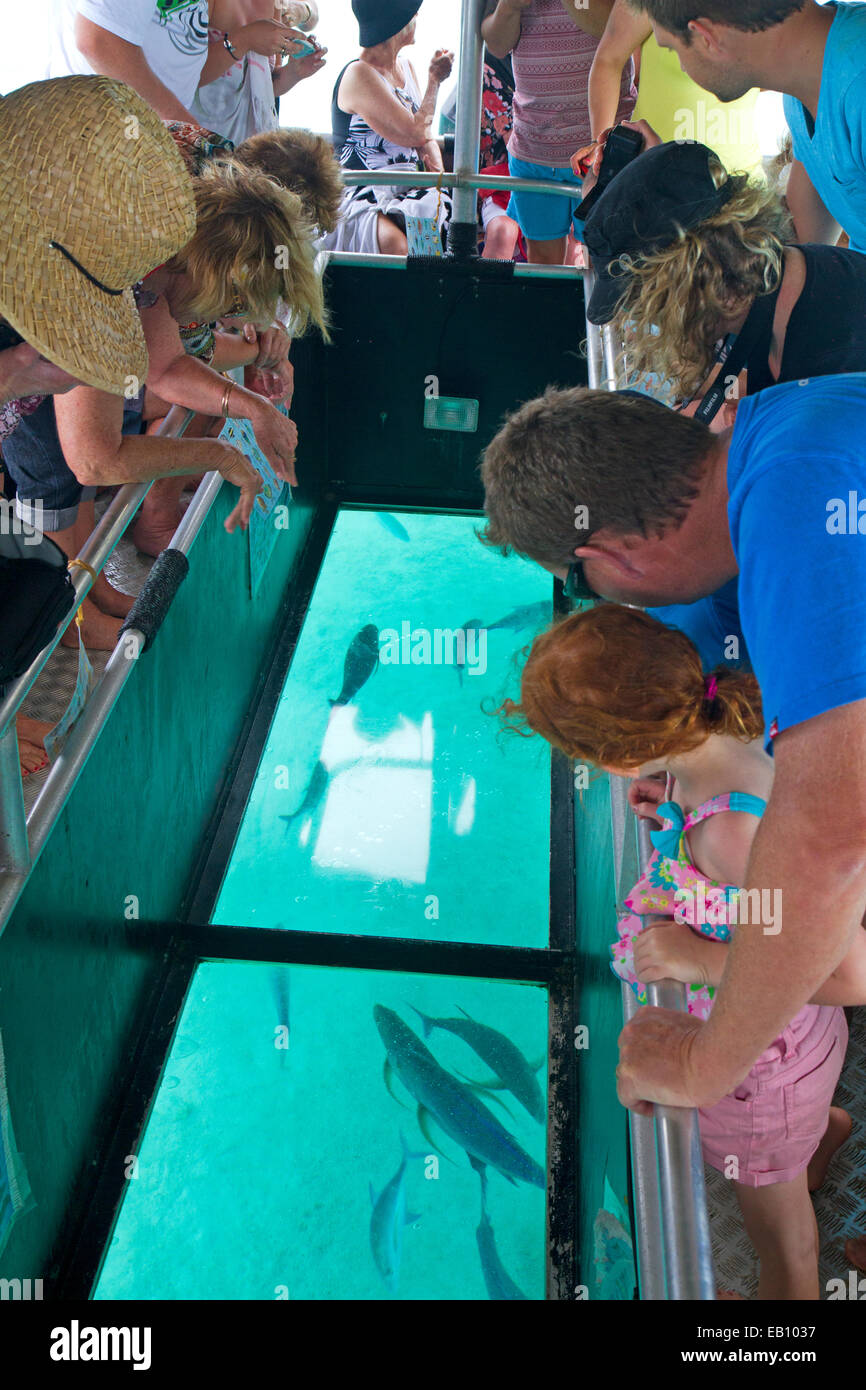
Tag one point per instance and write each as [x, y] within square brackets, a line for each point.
[671, 886]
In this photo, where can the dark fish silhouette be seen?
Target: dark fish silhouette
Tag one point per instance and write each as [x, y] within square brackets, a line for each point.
[497, 1280]
[457, 1111]
[501, 1055]
[362, 658]
[391, 524]
[387, 1219]
[280, 987]
[530, 615]
[471, 625]
[313, 795]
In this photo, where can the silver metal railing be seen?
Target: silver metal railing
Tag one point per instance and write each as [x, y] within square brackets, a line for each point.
[674, 1253]
[23, 837]
[400, 178]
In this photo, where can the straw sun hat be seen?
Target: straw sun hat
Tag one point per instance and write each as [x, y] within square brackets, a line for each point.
[93, 195]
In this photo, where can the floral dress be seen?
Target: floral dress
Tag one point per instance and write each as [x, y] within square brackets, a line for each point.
[671, 886]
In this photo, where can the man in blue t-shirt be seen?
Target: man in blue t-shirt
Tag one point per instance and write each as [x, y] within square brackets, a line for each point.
[803, 49]
[659, 510]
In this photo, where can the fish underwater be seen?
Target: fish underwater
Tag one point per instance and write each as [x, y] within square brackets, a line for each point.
[471, 625]
[387, 1220]
[362, 658]
[313, 795]
[390, 523]
[454, 1107]
[530, 615]
[515, 1073]
[497, 1280]
[280, 987]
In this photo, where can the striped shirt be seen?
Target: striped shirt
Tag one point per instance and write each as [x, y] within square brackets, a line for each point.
[551, 62]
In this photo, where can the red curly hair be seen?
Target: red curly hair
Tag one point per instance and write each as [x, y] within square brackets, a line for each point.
[614, 687]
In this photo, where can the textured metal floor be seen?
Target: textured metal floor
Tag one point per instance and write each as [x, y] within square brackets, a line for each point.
[840, 1206]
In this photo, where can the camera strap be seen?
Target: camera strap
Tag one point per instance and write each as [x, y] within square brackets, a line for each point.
[736, 351]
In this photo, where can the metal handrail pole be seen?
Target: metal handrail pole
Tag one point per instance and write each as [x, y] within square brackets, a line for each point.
[96, 550]
[519, 270]
[467, 121]
[14, 846]
[594, 347]
[77, 750]
[401, 178]
[649, 1230]
[70, 762]
[685, 1222]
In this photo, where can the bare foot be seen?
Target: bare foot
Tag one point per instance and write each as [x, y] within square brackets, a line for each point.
[110, 600]
[100, 630]
[855, 1251]
[31, 746]
[837, 1131]
[153, 531]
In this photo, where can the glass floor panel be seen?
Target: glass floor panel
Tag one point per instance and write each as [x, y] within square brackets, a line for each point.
[269, 1171]
[387, 801]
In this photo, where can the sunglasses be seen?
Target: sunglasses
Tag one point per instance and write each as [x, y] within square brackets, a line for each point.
[576, 587]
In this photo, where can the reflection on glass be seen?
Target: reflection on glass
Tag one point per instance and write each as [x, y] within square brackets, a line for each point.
[387, 801]
[322, 1133]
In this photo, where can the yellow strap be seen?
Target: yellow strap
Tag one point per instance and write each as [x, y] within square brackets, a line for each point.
[83, 565]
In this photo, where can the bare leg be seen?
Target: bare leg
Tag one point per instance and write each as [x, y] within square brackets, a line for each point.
[500, 239]
[103, 594]
[837, 1131]
[546, 252]
[855, 1251]
[160, 513]
[781, 1224]
[392, 241]
[100, 630]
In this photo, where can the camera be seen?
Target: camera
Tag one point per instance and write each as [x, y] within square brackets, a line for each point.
[621, 147]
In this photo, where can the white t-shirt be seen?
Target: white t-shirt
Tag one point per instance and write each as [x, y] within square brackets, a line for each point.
[172, 34]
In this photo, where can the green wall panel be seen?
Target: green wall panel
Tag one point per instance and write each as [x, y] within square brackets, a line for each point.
[73, 984]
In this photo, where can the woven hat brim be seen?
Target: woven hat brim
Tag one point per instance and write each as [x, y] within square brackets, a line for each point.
[95, 337]
[87, 164]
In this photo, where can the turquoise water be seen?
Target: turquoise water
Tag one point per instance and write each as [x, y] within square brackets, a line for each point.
[427, 821]
[253, 1175]
[272, 1165]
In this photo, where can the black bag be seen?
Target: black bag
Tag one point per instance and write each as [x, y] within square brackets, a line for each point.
[36, 594]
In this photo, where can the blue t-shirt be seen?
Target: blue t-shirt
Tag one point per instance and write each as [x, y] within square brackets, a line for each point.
[713, 624]
[797, 517]
[835, 155]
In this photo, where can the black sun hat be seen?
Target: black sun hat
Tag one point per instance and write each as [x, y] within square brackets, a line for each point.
[380, 20]
[668, 188]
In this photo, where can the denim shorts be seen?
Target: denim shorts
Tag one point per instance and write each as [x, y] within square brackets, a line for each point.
[34, 460]
[543, 216]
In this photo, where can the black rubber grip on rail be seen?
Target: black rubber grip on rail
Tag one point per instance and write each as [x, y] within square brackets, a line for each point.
[146, 615]
[463, 241]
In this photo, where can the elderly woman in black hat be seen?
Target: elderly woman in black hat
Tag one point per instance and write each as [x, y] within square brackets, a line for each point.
[380, 118]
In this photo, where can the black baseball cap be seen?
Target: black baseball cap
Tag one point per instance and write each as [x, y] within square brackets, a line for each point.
[667, 187]
[380, 20]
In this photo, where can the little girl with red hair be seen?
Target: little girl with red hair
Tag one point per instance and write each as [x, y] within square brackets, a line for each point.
[613, 687]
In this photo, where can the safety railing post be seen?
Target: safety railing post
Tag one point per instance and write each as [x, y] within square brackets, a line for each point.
[467, 129]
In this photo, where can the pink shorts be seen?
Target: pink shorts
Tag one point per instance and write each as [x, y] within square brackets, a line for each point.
[767, 1130]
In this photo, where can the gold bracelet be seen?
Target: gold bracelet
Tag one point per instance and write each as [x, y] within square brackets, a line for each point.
[225, 401]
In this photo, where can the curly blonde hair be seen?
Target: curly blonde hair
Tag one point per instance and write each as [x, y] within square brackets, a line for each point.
[676, 299]
[253, 242]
